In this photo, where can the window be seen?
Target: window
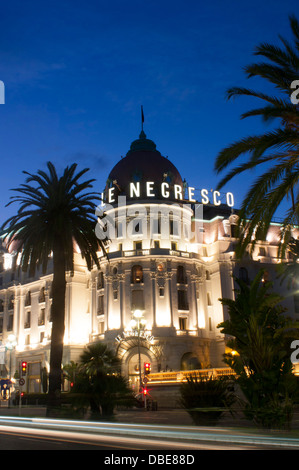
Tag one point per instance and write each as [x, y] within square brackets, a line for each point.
[100, 305]
[234, 231]
[101, 328]
[137, 274]
[161, 291]
[42, 296]
[1, 305]
[138, 245]
[100, 280]
[262, 251]
[27, 319]
[41, 336]
[10, 323]
[209, 300]
[181, 275]
[182, 300]
[42, 317]
[243, 275]
[11, 302]
[183, 323]
[28, 299]
[137, 300]
[1, 325]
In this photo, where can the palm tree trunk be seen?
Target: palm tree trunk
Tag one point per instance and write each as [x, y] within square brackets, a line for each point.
[58, 317]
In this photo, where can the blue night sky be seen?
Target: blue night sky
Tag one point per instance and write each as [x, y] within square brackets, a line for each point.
[76, 74]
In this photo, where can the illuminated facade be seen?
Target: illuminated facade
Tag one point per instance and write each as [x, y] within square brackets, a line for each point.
[156, 300]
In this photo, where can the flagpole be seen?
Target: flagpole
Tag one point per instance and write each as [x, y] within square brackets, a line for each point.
[142, 118]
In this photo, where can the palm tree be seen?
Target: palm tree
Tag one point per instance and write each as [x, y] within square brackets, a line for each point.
[98, 383]
[261, 334]
[54, 214]
[277, 149]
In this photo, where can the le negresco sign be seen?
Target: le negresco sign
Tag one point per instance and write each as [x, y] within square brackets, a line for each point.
[149, 190]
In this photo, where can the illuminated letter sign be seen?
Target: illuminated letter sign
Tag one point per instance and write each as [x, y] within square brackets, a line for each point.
[164, 193]
[135, 192]
[215, 200]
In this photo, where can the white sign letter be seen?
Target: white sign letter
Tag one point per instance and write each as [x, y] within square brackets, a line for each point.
[230, 199]
[204, 195]
[215, 200]
[135, 190]
[191, 194]
[164, 193]
[178, 191]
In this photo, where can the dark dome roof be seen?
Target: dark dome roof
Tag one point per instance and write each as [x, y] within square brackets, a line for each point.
[143, 163]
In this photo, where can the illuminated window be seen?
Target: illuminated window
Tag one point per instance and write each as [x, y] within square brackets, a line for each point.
[137, 274]
[183, 323]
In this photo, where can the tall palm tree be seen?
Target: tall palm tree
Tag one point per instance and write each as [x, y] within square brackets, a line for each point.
[260, 333]
[54, 214]
[277, 149]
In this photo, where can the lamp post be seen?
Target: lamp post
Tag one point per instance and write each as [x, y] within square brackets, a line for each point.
[138, 323]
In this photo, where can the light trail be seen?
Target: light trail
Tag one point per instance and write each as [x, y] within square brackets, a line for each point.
[178, 435]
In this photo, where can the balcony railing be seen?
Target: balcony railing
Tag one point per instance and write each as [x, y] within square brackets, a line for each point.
[181, 376]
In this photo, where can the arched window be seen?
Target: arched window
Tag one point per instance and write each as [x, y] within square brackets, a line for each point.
[137, 274]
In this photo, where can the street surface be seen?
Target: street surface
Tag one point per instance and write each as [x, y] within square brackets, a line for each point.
[52, 434]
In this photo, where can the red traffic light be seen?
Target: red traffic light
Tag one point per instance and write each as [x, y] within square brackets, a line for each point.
[147, 367]
[145, 391]
[24, 368]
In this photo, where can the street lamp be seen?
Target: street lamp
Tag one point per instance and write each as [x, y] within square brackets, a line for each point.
[138, 323]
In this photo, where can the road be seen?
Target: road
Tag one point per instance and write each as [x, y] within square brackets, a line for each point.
[48, 434]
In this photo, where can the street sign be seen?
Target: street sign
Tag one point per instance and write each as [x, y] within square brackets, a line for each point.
[21, 382]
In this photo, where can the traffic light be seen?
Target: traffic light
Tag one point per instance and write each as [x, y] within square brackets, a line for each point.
[147, 368]
[145, 391]
[24, 368]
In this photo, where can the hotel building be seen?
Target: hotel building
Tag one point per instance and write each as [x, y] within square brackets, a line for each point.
[156, 298]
